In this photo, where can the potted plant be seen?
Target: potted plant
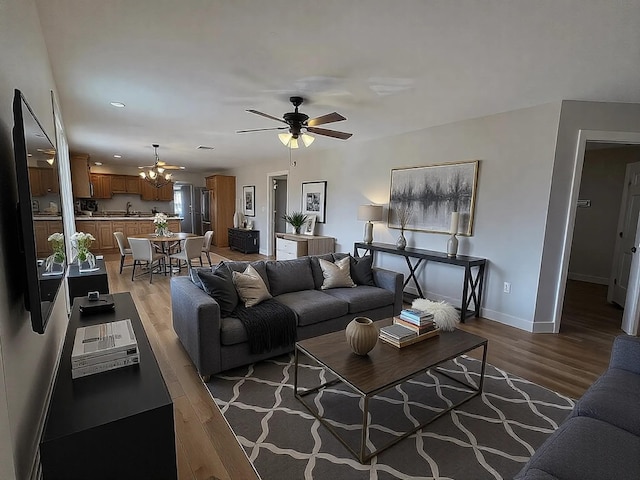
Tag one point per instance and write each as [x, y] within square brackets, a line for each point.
[296, 220]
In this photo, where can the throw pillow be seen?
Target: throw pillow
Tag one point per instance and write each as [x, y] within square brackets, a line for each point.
[250, 286]
[219, 285]
[361, 270]
[336, 275]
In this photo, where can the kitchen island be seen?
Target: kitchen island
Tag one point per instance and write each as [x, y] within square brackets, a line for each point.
[102, 228]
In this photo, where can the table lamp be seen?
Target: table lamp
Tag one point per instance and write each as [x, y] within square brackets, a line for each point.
[452, 243]
[369, 213]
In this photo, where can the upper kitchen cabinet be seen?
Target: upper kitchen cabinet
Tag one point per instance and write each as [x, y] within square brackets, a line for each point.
[80, 182]
[43, 181]
[125, 184]
[101, 185]
[149, 192]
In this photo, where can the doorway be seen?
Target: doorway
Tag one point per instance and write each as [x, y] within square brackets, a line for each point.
[581, 241]
[277, 188]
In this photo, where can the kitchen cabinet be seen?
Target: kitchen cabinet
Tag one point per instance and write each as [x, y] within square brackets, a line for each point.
[101, 185]
[125, 184]
[162, 194]
[222, 199]
[105, 237]
[43, 181]
[42, 247]
[80, 181]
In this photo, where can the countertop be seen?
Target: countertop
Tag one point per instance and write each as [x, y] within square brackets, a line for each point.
[111, 217]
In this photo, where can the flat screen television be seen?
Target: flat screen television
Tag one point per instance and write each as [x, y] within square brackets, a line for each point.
[38, 209]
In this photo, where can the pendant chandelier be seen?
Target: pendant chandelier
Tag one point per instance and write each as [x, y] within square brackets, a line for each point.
[156, 175]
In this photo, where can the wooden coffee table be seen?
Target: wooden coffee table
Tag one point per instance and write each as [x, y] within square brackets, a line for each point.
[383, 368]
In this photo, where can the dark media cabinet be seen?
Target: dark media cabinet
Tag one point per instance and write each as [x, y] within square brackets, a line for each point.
[115, 424]
[243, 240]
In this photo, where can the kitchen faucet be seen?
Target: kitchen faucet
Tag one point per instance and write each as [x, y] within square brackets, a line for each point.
[128, 208]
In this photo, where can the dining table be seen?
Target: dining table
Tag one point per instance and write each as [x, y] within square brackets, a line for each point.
[165, 242]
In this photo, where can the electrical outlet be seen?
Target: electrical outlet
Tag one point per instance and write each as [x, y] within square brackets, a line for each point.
[507, 287]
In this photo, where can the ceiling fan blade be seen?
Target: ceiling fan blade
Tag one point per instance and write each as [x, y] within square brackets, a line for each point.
[172, 167]
[329, 133]
[266, 115]
[261, 129]
[328, 118]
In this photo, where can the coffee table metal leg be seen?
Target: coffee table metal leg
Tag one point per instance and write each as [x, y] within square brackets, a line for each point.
[365, 429]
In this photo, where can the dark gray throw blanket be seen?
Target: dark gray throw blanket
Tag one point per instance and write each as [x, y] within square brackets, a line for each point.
[269, 324]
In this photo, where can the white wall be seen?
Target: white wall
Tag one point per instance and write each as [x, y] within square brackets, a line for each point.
[27, 359]
[516, 152]
[575, 116]
[595, 230]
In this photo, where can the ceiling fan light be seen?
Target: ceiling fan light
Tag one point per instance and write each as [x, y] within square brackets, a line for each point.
[293, 143]
[51, 160]
[307, 139]
[152, 174]
[167, 177]
[160, 169]
[143, 175]
[285, 138]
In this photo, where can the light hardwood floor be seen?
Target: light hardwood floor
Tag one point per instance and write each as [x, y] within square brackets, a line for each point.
[206, 448]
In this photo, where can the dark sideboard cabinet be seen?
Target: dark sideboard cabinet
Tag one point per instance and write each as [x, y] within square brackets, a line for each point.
[243, 240]
[115, 424]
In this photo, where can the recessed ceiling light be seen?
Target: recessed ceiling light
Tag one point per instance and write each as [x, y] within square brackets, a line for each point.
[118, 104]
[98, 163]
[117, 156]
[182, 168]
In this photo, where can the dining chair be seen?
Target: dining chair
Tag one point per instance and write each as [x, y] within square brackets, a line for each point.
[192, 248]
[208, 236]
[124, 250]
[143, 254]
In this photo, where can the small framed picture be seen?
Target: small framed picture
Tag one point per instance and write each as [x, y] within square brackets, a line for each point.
[249, 200]
[309, 226]
[314, 199]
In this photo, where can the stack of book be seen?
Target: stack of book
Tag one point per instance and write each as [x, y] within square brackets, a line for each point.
[417, 320]
[99, 348]
[400, 335]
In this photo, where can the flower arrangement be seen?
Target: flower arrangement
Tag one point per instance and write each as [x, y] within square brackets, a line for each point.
[57, 245]
[82, 242]
[404, 213]
[295, 219]
[161, 223]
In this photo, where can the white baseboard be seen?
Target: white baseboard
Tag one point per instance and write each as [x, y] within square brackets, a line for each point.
[588, 278]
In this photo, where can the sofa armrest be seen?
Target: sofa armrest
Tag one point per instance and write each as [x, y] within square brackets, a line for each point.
[625, 353]
[392, 281]
[196, 321]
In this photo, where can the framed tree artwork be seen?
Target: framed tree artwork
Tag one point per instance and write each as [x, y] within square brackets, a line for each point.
[249, 200]
[426, 197]
[314, 199]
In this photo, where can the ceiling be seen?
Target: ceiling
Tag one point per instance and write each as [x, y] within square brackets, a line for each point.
[187, 70]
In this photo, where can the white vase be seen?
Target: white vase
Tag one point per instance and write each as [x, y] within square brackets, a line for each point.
[452, 246]
[236, 220]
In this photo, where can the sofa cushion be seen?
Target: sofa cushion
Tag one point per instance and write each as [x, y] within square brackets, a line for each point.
[313, 306]
[318, 278]
[361, 270]
[613, 398]
[363, 297]
[336, 274]
[289, 276]
[219, 286]
[259, 266]
[193, 275]
[250, 286]
[586, 449]
[232, 331]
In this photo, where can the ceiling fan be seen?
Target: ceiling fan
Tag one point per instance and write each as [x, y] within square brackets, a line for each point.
[160, 163]
[298, 124]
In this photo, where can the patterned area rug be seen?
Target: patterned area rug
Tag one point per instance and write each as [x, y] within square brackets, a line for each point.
[489, 437]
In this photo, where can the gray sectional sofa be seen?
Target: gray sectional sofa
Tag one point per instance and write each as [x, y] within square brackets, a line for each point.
[601, 437]
[217, 341]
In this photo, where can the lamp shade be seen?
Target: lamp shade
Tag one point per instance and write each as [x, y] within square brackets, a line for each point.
[370, 213]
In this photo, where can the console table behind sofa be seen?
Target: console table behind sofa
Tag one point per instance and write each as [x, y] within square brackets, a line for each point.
[471, 287]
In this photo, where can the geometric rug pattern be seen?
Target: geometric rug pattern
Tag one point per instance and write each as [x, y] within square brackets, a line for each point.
[489, 437]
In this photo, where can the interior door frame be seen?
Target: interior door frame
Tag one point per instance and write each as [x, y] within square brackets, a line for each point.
[584, 136]
[271, 176]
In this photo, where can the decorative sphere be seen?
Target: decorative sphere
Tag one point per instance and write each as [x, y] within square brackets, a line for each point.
[362, 335]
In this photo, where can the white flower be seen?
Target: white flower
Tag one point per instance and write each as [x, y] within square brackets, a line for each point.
[56, 237]
[160, 219]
